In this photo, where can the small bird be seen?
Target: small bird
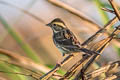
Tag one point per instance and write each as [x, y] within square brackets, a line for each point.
[64, 39]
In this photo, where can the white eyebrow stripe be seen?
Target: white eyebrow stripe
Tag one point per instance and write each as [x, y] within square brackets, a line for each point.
[58, 23]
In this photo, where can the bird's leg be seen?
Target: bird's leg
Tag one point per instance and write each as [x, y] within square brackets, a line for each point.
[60, 62]
[67, 59]
[50, 73]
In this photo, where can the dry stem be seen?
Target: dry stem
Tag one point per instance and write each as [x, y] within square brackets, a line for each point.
[107, 68]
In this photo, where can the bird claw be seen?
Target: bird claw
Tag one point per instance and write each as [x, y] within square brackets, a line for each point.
[58, 64]
[85, 55]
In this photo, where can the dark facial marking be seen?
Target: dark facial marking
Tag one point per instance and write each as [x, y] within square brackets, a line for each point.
[58, 20]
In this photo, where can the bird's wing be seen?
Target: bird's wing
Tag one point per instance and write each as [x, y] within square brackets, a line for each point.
[69, 40]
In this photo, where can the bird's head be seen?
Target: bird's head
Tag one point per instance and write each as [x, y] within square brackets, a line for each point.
[57, 25]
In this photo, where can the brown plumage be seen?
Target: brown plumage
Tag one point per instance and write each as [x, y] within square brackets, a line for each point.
[64, 39]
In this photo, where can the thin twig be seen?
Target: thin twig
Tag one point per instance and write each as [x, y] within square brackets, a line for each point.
[108, 68]
[87, 65]
[47, 75]
[93, 37]
[115, 7]
[20, 74]
[24, 62]
[81, 61]
[108, 10]
[72, 10]
[59, 3]
[114, 76]
[73, 69]
[99, 47]
[31, 72]
[115, 17]
[88, 41]
[57, 67]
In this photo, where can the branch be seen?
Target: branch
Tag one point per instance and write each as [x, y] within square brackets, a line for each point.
[98, 46]
[57, 67]
[115, 7]
[73, 69]
[113, 76]
[24, 62]
[102, 46]
[105, 69]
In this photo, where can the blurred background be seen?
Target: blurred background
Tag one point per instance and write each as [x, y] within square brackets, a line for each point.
[26, 35]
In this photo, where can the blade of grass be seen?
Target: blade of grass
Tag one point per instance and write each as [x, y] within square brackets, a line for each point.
[99, 4]
[27, 72]
[5, 68]
[25, 64]
[27, 49]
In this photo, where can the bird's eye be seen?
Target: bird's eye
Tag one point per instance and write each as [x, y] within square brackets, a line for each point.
[54, 24]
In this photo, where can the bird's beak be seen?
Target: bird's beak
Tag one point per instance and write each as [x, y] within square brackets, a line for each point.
[48, 24]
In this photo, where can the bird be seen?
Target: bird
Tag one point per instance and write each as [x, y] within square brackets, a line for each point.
[64, 39]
